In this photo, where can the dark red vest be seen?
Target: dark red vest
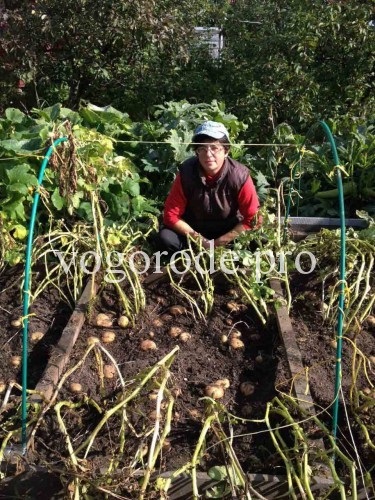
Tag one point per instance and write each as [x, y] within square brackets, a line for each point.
[212, 209]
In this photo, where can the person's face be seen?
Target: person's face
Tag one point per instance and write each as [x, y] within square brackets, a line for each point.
[211, 156]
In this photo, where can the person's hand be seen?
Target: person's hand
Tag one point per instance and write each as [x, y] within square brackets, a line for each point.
[201, 240]
[218, 243]
[205, 243]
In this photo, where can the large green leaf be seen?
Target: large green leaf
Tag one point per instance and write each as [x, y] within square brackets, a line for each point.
[14, 115]
[22, 146]
[20, 175]
[57, 200]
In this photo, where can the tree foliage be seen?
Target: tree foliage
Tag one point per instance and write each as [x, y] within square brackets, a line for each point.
[292, 61]
[299, 60]
[95, 50]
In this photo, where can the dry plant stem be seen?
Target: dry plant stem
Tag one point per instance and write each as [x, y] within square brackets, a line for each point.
[194, 461]
[74, 272]
[234, 463]
[99, 362]
[154, 446]
[367, 309]
[365, 431]
[5, 442]
[139, 301]
[108, 414]
[290, 456]
[365, 292]
[59, 385]
[281, 453]
[12, 384]
[63, 429]
[99, 227]
[354, 399]
[197, 453]
[243, 285]
[113, 361]
[207, 287]
[334, 451]
[300, 439]
[187, 296]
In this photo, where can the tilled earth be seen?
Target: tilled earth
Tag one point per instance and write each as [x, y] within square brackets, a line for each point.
[203, 359]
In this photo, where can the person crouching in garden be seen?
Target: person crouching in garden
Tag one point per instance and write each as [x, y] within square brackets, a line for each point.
[213, 196]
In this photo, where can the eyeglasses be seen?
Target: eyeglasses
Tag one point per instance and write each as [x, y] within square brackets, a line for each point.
[214, 148]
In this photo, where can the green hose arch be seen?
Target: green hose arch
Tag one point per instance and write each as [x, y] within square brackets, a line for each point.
[341, 303]
[26, 290]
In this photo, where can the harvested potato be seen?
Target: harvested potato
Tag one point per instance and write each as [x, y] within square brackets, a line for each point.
[233, 306]
[166, 445]
[92, 340]
[109, 371]
[157, 323]
[176, 391]
[246, 410]
[166, 317]
[236, 334]
[108, 336]
[259, 359]
[370, 320]
[153, 415]
[372, 359]
[214, 391]
[224, 339]
[223, 382]
[153, 396]
[3, 386]
[229, 322]
[195, 414]
[75, 387]
[247, 388]
[15, 361]
[236, 343]
[143, 450]
[36, 336]
[123, 322]
[177, 310]
[233, 293]
[151, 334]
[103, 320]
[16, 323]
[148, 345]
[161, 300]
[175, 331]
[333, 344]
[185, 337]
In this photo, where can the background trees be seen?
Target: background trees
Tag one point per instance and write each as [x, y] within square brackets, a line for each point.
[291, 61]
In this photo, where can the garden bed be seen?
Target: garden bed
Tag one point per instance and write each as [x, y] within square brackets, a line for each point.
[48, 315]
[203, 359]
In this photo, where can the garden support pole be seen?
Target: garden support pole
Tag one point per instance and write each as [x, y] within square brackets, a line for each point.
[341, 305]
[26, 290]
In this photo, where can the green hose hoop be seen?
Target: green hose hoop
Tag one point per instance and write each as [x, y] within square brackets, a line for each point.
[341, 305]
[26, 290]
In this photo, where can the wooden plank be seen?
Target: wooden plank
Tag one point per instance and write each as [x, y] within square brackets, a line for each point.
[300, 386]
[61, 353]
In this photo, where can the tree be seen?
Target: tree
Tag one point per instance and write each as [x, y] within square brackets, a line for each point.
[297, 60]
[84, 49]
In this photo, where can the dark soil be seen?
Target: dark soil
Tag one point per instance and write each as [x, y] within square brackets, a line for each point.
[48, 314]
[200, 361]
[314, 337]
